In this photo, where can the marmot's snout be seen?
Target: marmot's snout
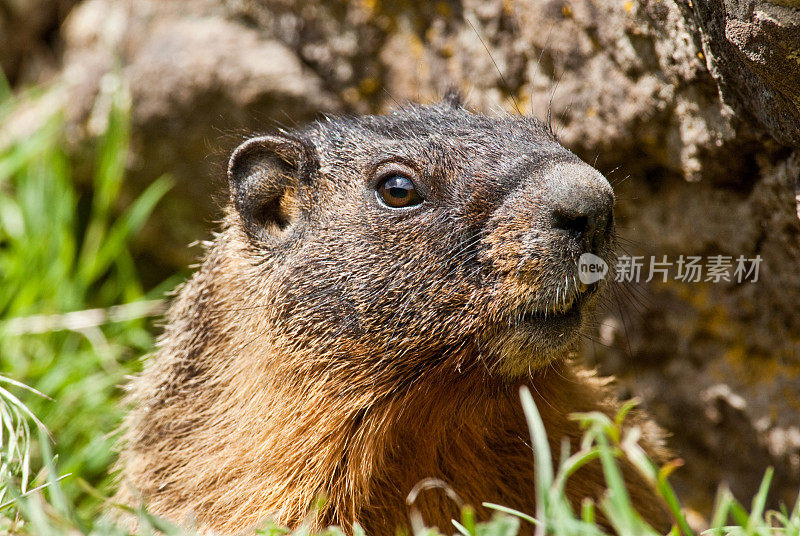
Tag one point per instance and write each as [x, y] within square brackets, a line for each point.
[582, 206]
[534, 242]
[555, 214]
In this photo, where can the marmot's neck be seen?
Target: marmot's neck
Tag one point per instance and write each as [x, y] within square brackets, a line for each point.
[272, 440]
[469, 434]
[309, 440]
[467, 431]
[271, 443]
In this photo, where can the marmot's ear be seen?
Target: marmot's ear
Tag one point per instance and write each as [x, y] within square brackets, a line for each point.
[265, 175]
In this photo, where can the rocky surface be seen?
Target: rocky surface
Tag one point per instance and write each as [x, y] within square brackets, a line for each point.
[753, 50]
[692, 110]
[29, 38]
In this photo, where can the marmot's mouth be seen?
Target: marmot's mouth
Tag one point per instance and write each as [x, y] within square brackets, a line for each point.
[562, 310]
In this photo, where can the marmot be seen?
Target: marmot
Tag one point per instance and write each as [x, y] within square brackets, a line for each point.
[379, 291]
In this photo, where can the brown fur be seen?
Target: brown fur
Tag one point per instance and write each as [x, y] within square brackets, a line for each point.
[330, 348]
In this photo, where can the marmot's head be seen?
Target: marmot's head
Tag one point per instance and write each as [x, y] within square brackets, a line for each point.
[430, 238]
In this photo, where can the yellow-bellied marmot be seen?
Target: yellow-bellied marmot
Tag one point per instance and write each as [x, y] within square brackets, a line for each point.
[380, 289]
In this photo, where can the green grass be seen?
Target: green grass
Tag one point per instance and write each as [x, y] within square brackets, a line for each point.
[65, 250]
[73, 324]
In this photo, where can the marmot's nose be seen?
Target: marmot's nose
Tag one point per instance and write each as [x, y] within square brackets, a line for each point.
[582, 205]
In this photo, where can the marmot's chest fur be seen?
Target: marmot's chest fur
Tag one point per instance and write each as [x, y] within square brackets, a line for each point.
[381, 288]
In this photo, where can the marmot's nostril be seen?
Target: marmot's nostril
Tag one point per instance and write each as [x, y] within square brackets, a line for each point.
[587, 222]
[577, 224]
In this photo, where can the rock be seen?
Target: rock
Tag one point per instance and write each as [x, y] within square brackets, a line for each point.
[752, 48]
[29, 48]
[716, 363]
[199, 82]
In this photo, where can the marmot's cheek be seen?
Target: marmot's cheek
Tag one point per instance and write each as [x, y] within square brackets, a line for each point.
[537, 308]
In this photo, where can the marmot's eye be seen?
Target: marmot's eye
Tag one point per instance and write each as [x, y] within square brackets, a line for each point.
[397, 191]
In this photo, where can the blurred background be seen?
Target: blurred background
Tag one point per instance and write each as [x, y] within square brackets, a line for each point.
[117, 116]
